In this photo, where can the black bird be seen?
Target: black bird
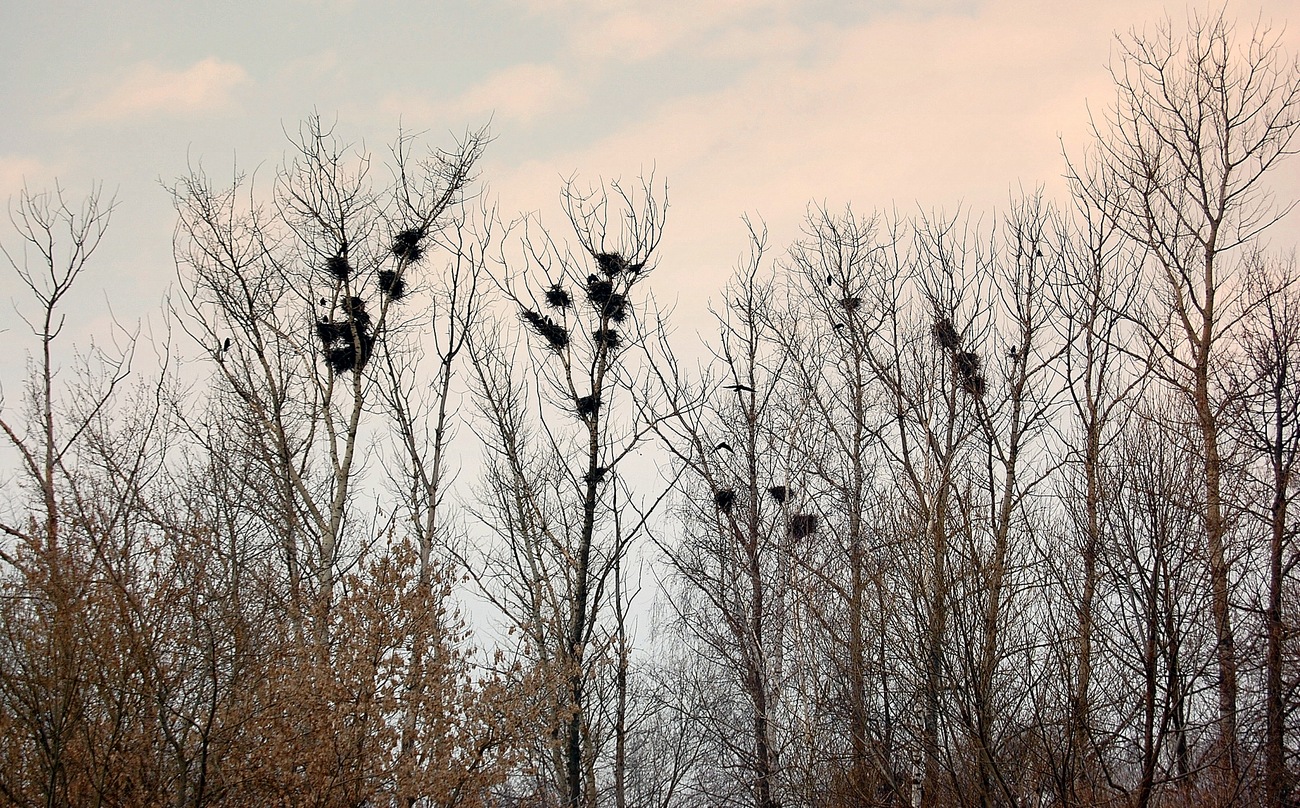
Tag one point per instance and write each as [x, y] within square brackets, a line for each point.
[324, 302]
[739, 388]
[225, 346]
[830, 279]
[837, 326]
[723, 447]
[596, 475]
[1013, 352]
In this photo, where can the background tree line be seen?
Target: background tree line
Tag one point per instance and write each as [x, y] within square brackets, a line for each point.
[952, 512]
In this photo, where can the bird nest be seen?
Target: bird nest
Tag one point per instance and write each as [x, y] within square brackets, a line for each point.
[350, 355]
[338, 266]
[610, 263]
[803, 525]
[392, 284]
[599, 292]
[606, 338]
[779, 493]
[724, 499]
[945, 334]
[554, 333]
[558, 298]
[588, 405]
[967, 364]
[406, 244]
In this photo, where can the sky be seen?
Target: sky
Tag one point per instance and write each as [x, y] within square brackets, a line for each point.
[743, 107]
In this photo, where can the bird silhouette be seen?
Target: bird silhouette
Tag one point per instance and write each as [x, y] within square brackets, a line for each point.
[723, 447]
[739, 388]
[225, 346]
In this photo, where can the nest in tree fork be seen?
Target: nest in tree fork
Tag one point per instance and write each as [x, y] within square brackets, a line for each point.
[606, 338]
[338, 266]
[328, 331]
[611, 263]
[350, 355]
[967, 364]
[803, 525]
[851, 304]
[406, 244]
[945, 334]
[552, 332]
[616, 308]
[557, 298]
[779, 493]
[355, 309]
[588, 405]
[347, 343]
[391, 284]
[724, 499]
[599, 292]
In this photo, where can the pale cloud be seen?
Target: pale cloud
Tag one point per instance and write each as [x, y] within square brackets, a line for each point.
[148, 89]
[18, 171]
[521, 93]
[636, 30]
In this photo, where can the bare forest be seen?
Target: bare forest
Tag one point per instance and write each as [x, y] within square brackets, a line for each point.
[944, 510]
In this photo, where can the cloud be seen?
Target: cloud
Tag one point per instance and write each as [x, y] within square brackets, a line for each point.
[636, 30]
[520, 93]
[17, 172]
[147, 89]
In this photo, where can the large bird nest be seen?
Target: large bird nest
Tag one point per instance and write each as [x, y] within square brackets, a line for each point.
[554, 333]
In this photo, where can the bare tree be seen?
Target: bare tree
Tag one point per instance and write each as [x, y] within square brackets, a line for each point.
[556, 438]
[1180, 163]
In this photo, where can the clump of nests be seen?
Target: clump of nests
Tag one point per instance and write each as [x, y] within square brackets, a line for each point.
[965, 364]
[347, 343]
[555, 334]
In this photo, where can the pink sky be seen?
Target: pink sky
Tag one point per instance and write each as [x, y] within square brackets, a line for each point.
[755, 107]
